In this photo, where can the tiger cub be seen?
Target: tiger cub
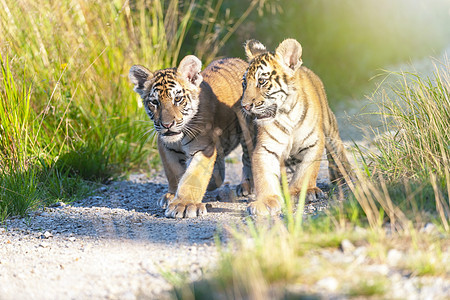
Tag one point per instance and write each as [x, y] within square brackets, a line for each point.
[294, 124]
[196, 116]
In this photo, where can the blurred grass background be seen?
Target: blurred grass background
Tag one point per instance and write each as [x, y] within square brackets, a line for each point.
[69, 117]
[347, 42]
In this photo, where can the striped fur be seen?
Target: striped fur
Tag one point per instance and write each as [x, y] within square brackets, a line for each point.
[294, 124]
[197, 117]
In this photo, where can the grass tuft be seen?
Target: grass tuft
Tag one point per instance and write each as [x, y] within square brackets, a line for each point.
[417, 118]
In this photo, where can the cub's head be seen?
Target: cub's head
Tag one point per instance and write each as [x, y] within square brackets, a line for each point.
[170, 96]
[267, 80]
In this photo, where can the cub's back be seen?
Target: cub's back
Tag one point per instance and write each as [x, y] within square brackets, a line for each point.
[317, 92]
[225, 78]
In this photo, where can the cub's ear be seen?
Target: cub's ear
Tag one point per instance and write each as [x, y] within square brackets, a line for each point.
[253, 48]
[139, 75]
[190, 68]
[290, 53]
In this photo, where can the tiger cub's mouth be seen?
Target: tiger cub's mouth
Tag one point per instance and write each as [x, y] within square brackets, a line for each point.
[170, 136]
[269, 112]
[171, 133]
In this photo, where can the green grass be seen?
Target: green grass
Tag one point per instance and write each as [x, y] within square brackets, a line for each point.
[15, 112]
[19, 192]
[417, 117]
[415, 152]
[375, 286]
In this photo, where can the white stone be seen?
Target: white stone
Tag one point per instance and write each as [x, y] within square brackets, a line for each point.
[44, 245]
[429, 228]
[328, 283]
[347, 246]
[394, 256]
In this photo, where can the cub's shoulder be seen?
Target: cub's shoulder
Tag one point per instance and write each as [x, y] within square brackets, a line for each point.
[229, 63]
[224, 76]
[307, 74]
[225, 65]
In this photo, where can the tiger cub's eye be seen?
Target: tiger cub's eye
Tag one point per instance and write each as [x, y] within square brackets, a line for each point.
[261, 81]
[178, 98]
[153, 102]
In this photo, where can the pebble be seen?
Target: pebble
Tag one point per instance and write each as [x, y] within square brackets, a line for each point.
[47, 235]
[394, 256]
[328, 283]
[360, 230]
[429, 228]
[360, 251]
[44, 244]
[382, 269]
[347, 246]
[58, 204]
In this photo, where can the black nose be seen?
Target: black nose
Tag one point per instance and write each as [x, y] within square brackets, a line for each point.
[168, 125]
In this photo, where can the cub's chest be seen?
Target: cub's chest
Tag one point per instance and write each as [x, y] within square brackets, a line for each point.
[288, 137]
[191, 145]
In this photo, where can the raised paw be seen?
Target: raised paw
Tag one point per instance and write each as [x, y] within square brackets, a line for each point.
[314, 194]
[244, 188]
[268, 206]
[165, 200]
[181, 209]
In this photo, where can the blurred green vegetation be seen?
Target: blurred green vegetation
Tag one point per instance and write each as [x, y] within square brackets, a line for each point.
[346, 42]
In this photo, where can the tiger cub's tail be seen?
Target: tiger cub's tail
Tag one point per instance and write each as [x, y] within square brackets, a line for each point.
[339, 166]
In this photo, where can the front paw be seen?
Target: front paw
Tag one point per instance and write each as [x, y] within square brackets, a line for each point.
[183, 209]
[244, 188]
[269, 206]
[165, 200]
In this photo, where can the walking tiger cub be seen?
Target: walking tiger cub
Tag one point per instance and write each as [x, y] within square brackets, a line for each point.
[294, 124]
[196, 115]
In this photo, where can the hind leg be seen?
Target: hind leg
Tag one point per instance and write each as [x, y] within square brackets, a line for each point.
[245, 188]
[218, 175]
[248, 141]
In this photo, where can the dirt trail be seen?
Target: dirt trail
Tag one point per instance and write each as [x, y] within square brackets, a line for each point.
[116, 244]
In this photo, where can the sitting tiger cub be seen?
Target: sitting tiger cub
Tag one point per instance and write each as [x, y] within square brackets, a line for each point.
[294, 124]
[196, 117]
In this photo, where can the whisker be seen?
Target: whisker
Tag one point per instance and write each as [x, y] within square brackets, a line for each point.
[148, 135]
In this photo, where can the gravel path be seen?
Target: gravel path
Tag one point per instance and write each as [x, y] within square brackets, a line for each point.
[114, 245]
